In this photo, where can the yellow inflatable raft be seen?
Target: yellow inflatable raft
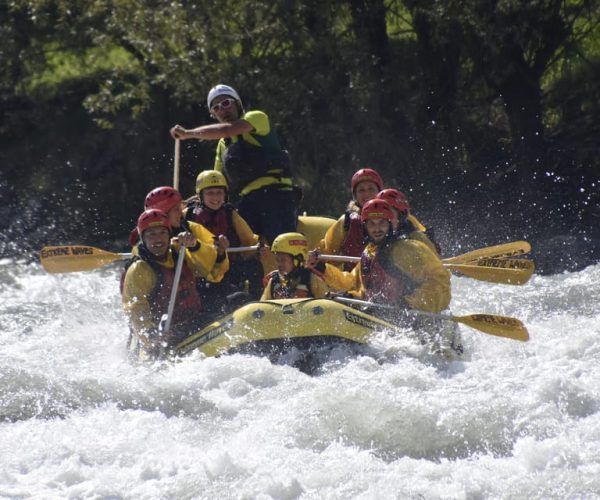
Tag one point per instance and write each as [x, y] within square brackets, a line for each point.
[279, 321]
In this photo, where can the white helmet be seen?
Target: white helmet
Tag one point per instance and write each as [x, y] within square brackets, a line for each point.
[221, 89]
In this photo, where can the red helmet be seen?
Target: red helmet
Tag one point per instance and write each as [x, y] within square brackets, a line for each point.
[376, 209]
[162, 198]
[366, 174]
[396, 199]
[152, 218]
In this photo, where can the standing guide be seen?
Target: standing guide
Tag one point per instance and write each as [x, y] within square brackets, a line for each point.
[255, 165]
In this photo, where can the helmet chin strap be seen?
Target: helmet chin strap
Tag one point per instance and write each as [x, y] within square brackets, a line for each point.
[298, 261]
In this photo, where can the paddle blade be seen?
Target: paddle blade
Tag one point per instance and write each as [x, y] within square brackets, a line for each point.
[503, 271]
[501, 326]
[503, 250]
[75, 258]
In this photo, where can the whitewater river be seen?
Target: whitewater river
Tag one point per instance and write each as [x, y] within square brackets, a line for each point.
[512, 420]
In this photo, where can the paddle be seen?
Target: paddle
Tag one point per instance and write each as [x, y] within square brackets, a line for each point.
[165, 320]
[500, 326]
[503, 271]
[75, 258]
[503, 250]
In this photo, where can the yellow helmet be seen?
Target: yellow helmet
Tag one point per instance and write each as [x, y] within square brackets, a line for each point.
[210, 179]
[294, 244]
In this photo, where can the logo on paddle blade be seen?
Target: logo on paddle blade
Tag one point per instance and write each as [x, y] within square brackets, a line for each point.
[496, 320]
[505, 263]
[54, 252]
[82, 250]
[60, 251]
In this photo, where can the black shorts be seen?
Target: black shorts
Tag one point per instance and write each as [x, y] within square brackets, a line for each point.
[270, 211]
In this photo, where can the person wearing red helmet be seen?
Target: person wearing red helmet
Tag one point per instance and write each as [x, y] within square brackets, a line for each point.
[404, 221]
[393, 270]
[170, 201]
[252, 159]
[148, 280]
[346, 236]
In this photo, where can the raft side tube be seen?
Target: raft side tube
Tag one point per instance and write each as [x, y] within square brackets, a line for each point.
[275, 320]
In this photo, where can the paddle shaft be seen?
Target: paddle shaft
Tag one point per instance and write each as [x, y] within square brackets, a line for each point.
[506, 271]
[499, 326]
[166, 322]
[243, 249]
[495, 262]
[77, 258]
[504, 250]
[413, 312]
[176, 156]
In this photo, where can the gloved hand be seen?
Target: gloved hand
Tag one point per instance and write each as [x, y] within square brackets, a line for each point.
[313, 261]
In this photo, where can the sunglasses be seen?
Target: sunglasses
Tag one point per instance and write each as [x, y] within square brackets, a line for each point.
[224, 104]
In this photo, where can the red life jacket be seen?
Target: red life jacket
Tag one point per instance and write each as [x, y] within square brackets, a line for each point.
[384, 282]
[354, 243]
[216, 221]
[188, 303]
[288, 288]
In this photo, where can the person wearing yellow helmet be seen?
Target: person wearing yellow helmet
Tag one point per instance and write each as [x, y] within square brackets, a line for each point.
[291, 279]
[209, 207]
[252, 159]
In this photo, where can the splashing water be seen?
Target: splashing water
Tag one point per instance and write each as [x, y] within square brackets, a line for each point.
[511, 420]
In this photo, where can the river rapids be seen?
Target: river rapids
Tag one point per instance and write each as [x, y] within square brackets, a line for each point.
[510, 420]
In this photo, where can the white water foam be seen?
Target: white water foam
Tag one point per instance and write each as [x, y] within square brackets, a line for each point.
[513, 420]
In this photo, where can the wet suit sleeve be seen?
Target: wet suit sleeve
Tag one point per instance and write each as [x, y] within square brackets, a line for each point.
[259, 121]
[318, 287]
[139, 282]
[342, 281]
[242, 229]
[266, 295]
[423, 238]
[217, 273]
[416, 223]
[218, 166]
[202, 258]
[424, 267]
[202, 234]
[203, 261]
[334, 237]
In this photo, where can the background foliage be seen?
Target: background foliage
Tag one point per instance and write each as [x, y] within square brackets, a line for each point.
[484, 111]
